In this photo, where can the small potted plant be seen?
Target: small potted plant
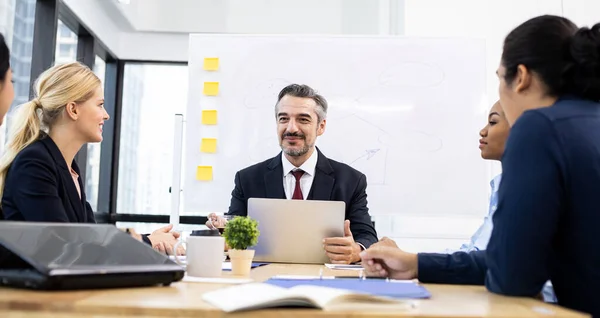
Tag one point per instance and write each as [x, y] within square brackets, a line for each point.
[240, 234]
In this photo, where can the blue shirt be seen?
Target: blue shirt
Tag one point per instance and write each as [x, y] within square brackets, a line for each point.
[480, 239]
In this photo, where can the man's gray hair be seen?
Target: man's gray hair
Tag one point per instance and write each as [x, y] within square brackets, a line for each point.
[304, 91]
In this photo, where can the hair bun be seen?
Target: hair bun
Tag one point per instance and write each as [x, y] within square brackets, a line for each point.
[585, 47]
[582, 76]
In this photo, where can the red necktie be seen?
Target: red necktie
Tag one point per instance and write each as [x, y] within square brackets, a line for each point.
[297, 191]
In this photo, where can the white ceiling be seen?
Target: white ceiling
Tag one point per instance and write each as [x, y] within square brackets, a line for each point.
[243, 16]
[159, 29]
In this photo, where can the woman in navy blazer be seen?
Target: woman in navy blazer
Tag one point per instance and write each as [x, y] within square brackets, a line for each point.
[547, 220]
[39, 178]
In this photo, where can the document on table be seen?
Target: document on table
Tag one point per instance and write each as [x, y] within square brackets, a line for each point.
[216, 280]
[344, 267]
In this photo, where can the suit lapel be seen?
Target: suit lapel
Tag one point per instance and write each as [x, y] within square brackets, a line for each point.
[67, 179]
[324, 181]
[274, 179]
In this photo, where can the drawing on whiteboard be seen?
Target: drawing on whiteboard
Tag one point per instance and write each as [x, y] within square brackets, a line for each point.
[413, 141]
[373, 163]
[412, 74]
[264, 94]
[369, 153]
[407, 139]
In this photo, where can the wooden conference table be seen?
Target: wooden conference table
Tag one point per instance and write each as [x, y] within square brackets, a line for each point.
[183, 299]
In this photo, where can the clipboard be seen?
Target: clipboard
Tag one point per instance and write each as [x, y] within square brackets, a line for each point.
[402, 289]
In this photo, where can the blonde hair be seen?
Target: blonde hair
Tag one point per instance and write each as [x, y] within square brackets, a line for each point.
[54, 89]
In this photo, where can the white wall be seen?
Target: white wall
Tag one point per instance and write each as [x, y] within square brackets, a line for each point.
[582, 12]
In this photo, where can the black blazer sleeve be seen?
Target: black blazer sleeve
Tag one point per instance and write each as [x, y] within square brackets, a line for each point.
[360, 221]
[34, 188]
[457, 268]
[88, 208]
[238, 200]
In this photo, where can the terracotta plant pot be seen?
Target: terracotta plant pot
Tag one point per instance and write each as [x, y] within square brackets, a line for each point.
[241, 261]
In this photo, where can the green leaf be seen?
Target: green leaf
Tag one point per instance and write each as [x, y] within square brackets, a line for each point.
[241, 232]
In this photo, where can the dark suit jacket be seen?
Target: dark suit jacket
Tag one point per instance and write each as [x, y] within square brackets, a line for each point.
[39, 187]
[333, 181]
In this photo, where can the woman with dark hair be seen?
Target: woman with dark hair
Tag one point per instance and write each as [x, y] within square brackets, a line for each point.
[7, 92]
[547, 220]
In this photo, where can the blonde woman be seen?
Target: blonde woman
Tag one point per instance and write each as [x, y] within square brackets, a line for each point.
[39, 179]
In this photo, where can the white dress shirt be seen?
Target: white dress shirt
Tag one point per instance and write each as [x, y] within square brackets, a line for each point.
[289, 181]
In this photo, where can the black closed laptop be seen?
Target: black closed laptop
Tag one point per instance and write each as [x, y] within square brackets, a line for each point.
[62, 256]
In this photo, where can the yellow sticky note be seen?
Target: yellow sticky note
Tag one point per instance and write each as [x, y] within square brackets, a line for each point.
[204, 173]
[211, 88]
[209, 117]
[211, 63]
[208, 145]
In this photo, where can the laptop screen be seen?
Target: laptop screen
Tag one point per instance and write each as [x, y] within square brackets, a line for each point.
[63, 245]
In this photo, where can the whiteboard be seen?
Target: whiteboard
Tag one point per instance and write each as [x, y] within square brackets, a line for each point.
[404, 111]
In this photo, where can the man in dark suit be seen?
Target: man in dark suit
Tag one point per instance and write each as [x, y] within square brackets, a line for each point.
[301, 172]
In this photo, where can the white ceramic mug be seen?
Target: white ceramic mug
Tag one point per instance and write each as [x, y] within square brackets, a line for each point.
[204, 255]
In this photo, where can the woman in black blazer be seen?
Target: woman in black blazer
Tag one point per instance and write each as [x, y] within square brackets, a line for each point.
[39, 178]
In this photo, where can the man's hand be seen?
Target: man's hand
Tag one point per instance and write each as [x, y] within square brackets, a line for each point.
[215, 221]
[164, 240]
[385, 241]
[342, 250]
[389, 261]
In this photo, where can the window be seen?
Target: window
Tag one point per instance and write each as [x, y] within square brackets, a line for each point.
[21, 8]
[22, 91]
[66, 44]
[29, 30]
[93, 151]
[18, 32]
[64, 50]
[31, 9]
[64, 31]
[152, 95]
[147, 228]
[17, 29]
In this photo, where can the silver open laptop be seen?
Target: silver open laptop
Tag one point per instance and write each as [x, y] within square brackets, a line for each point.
[292, 231]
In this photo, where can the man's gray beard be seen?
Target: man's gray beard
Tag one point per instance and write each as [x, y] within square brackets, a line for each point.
[296, 153]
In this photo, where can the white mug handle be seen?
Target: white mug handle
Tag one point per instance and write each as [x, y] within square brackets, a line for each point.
[177, 260]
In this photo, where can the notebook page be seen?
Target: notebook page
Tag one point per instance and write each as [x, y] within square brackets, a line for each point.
[320, 295]
[253, 296]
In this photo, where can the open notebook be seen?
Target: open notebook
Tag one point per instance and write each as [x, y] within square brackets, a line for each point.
[261, 295]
